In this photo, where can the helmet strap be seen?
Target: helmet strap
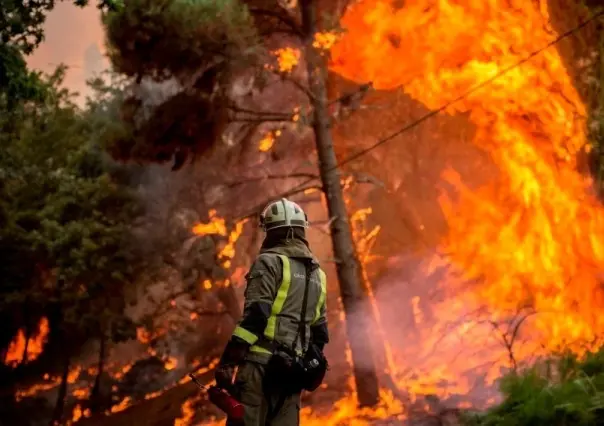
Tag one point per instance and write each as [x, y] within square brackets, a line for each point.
[290, 234]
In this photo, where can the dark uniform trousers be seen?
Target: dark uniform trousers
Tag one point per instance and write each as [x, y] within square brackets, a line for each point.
[264, 407]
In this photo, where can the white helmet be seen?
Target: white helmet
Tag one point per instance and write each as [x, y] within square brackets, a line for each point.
[283, 213]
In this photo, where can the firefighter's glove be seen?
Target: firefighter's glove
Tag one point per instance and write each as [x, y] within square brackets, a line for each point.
[224, 376]
[233, 355]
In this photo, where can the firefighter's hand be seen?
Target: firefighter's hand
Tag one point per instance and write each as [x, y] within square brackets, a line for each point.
[233, 355]
[224, 376]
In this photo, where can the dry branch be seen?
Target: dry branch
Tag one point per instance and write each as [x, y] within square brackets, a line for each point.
[254, 179]
[294, 191]
[291, 24]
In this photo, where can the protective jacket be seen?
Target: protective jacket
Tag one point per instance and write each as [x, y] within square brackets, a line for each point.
[274, 297]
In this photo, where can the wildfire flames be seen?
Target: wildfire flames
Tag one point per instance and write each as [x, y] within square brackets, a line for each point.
[23, 349]
[216, 225]
[528, 238]
[287, 58]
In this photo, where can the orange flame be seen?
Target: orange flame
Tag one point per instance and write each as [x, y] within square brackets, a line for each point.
[83, 393]
[122, 405]
[228, 252]
[325, 40]
[123, 370]
[187, 413]
[170, 363]
[74, 374]
[78, 413]
[287, 58]
[22, 349]
[217, 225]
[37, 388]
[16, 350]
[267, 142]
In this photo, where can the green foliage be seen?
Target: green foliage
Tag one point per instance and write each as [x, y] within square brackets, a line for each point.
[21, 23]
[198, 43]
[65, 221]
[186, 125]
[19, 83]
[173, 38]
[564, 392]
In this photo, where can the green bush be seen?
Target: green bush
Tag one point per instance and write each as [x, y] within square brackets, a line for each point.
[561, 392]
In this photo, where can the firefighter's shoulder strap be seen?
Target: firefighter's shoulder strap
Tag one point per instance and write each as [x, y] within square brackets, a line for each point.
[302, 324]
[300, 333]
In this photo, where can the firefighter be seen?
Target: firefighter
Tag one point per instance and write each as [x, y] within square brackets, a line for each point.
[283, 324]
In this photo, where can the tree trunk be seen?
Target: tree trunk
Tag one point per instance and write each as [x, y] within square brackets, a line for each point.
[57, 414]
[354, 298]
[26, 334]
[95, 394]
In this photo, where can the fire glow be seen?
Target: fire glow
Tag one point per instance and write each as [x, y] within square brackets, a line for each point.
[22, 349]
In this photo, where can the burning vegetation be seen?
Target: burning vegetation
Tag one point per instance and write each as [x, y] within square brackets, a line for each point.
[23, 350]
[514, 278]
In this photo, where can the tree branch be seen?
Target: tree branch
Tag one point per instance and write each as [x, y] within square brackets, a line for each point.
[256, 210]
[508, 336]
[296, 83]
[161, 308]
[244, 180]
[259, 120]
[366, 178]
[346, 98]
[237, 108]
[301, 87]
[268, 33]
[202, 313]
[284, 19]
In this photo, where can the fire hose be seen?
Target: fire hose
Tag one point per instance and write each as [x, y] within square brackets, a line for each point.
[222, 399]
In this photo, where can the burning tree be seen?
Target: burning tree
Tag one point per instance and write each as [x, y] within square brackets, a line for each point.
[68, 267]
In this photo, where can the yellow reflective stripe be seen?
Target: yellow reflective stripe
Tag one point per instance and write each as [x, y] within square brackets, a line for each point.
[322, 297]
[260, 350]
[269, 331]
[248, 336]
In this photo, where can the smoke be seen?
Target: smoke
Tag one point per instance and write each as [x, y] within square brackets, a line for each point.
[443, 343]
[94, 61]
